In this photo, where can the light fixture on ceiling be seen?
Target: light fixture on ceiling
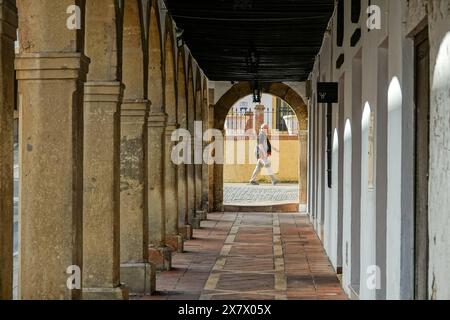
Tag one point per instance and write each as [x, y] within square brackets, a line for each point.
[256, 90]
[179, 34]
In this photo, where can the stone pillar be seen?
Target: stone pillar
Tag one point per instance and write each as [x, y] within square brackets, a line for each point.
[173, 239]
[198, 157]
[205, 167]
[192, 209]
[184, 227]
[303, 169]
[8, 22]
[159, 253]
[218, 185]
[51, 201]
[211, 167]
[101, 214]
[218, 188]
[50, 70]
[259, 117]
[197, 214]
[135, 270]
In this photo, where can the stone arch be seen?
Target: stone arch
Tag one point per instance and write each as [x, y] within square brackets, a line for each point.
[170, 97]
[133, 51]
[244, 89]
[155, 59]
[283, 91]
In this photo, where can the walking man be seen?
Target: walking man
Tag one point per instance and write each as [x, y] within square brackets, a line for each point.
[263, 153]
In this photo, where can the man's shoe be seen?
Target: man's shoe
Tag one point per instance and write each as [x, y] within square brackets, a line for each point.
[254, 183]
[275, 182]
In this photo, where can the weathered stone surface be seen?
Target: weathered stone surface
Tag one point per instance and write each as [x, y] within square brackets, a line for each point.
[117, 293]
[156, 193]
[51, 199]
[303, 168]
[140, 278]
[202, 215]
[186, 232]
[101, 214]
[161, 258]
[133, 206]
[175, 242]
[159, 254]
[171, 190]
[195, 222]
[8, 22]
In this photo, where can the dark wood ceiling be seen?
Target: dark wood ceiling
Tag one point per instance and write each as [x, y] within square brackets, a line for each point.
[242, 40]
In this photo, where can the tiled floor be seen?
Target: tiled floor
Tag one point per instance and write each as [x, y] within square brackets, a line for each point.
[251, 256]
[264, 194]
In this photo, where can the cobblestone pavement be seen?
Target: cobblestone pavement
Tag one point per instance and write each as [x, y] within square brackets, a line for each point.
[245, 194]
[251, 256]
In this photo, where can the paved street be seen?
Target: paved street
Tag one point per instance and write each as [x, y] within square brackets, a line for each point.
[264, 194]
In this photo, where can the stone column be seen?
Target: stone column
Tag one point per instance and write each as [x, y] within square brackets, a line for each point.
[218, 185]
[198, 213]
[159, 253]
[303, 169]
[50, 70]
[8, 23]
[198, 167]
[173, 239]
[259, 117]
[191, 192]
[51, 200]
[101, 214]
[205, 167]
[211, 167]
[138, 274]
[184, 227]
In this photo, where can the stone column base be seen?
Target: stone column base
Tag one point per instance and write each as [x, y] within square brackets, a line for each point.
[140, 278]
[119, 293]
[195, 222]
[161, 258]
[186, 232]
[203, 215]
[175, 242]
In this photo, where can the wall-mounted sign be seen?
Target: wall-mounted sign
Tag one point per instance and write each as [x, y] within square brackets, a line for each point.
[327, 92]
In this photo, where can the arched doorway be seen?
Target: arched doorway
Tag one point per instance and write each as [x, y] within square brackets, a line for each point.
[295, 101]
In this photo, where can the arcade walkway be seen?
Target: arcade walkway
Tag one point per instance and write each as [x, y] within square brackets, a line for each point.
[251, 256]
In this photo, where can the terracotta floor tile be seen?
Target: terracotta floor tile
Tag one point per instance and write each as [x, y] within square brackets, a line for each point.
[238, 257]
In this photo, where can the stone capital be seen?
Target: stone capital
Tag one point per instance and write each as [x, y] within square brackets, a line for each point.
[51, 66]
[99, 91]
[157, 120]
[134, 111]
[171, 127]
